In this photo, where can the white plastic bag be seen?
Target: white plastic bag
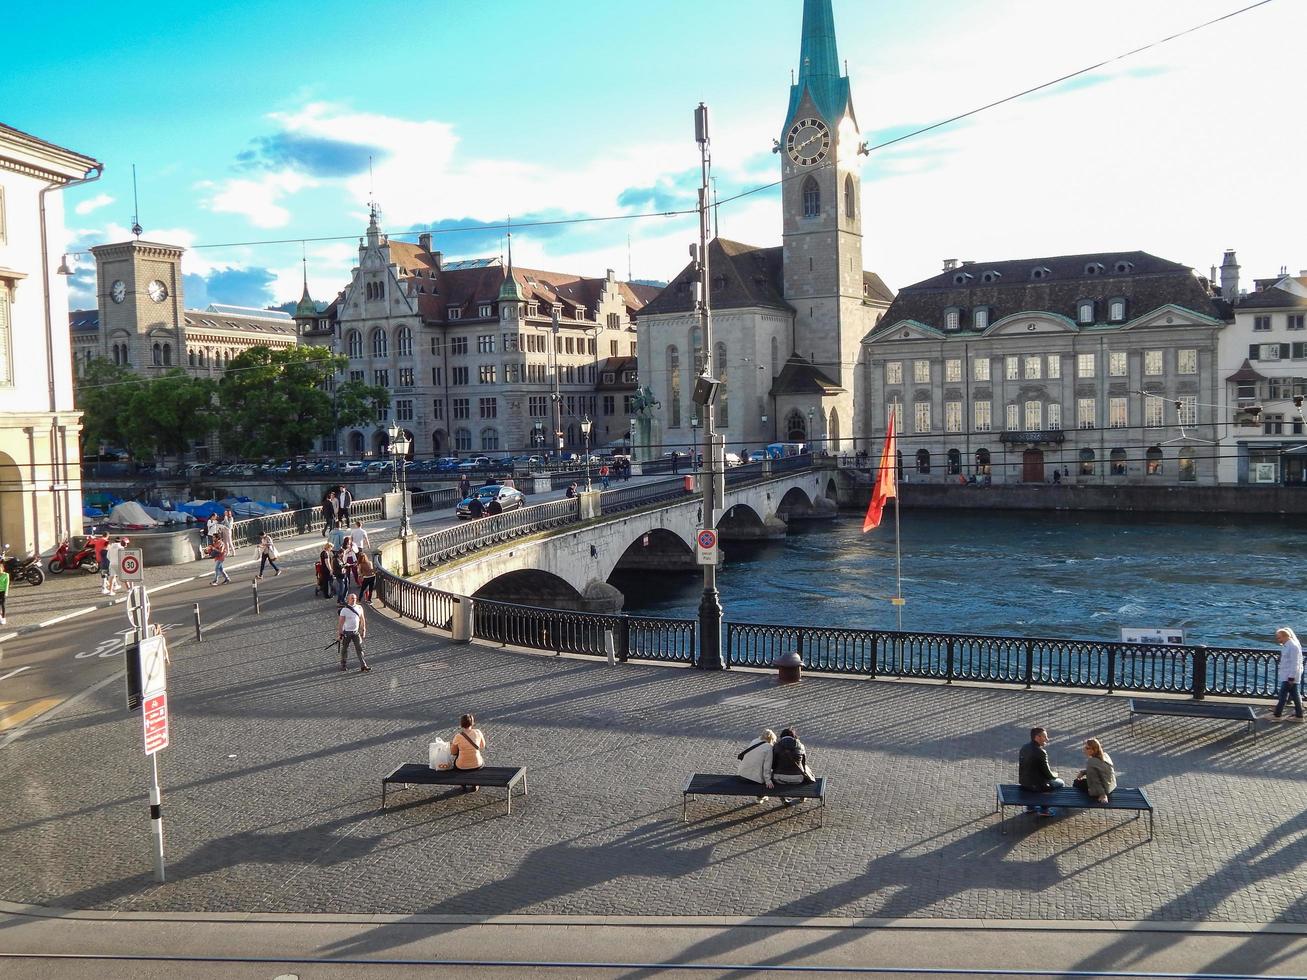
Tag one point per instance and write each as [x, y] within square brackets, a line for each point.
[441, 757]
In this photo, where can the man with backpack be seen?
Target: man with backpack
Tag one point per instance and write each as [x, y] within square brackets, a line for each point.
[351, 627]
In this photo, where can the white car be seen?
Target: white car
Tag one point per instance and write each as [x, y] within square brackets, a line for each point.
[734, 459]
[353, 466]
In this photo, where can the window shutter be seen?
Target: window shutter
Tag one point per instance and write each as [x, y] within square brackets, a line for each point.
[1253, 351]
[1284, 351]
[1299, 350]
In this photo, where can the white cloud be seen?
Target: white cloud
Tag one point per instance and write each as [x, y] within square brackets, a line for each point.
[257, 199]
[94, 203]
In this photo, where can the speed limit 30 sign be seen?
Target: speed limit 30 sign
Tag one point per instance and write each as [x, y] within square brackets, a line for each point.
[706, 553]
[131, 565]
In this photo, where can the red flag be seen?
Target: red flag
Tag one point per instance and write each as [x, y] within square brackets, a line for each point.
[886, 482]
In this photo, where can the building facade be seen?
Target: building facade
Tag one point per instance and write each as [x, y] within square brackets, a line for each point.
[40, 472]
[1097, 368]
[474, 351]
[1263, 370]
[787, 322]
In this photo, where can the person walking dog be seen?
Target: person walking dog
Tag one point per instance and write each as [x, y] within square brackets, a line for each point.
[351, 627]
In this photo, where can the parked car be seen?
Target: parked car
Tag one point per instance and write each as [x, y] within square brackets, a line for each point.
[494, 499]
[757, 455]
[475, 463]
[734, 459]
[354, 466]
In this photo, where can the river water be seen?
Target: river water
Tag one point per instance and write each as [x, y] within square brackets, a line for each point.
[1227, 581]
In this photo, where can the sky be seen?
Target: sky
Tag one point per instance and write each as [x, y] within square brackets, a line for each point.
[264, 128]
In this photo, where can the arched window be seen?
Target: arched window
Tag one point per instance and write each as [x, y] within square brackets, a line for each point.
[850, 204]
[674, 387]
[404, 342]
[167, 355]
[696, 349]
[811, 198]
[954, 462]
[982, 462]
[190, 357]
[489, 440]
[1153, 462]
[463, 440]
[833, 432]
[354, 343]
[1188, 465]
[1086, 462]
[117, 354]
[1116, 462]
[356, 443]
[380, 346]
[923, 460]
[156, 355]
[796, 427]
[723, 399]
[775, 357]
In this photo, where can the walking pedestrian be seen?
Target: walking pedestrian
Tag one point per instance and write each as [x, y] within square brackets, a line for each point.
[344, 500]
[4, 592]
[329, 513]
[351, 627]
[676, 462]
[218, 552]
[1034, 773]
[360, 536]
[267, 554]
[100, 542]
[1290, 672]
[464, 488]
[367, 577]
[339, 576]
[603, 476]
[229, 530]
[115, 553]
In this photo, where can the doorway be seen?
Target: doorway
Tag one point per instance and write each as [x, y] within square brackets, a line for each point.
[1032, 466]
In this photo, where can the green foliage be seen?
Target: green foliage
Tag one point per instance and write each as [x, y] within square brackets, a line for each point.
[148, 417]
[104, 392]
[274, 402]
[359, 404]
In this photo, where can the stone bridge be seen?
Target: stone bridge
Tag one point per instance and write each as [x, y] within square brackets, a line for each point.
[570, 567]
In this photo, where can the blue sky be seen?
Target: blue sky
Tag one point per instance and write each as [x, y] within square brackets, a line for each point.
[250, 122]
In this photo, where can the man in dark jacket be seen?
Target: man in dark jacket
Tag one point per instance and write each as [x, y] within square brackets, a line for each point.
[1033, 771]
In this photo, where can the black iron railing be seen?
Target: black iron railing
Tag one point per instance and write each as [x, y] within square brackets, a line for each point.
[291, 522]
[631, 498]
[1100, 665]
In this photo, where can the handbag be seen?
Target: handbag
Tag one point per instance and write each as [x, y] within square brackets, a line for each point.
[439, 756]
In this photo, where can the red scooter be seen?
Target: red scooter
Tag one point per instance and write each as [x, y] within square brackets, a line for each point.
[73, 553]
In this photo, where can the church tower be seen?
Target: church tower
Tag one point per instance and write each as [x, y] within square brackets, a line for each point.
[822, 205]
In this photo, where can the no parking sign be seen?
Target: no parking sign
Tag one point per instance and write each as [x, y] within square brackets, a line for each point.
[706, 551]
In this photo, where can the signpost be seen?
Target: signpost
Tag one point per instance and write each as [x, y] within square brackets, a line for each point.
[706, 552]
[154, 716]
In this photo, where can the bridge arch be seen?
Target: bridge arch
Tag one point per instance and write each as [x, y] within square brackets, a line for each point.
[796, 501]
[658, 549]
[532, 587]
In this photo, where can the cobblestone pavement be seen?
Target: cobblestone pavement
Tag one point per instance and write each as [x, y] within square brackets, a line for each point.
[272, 789]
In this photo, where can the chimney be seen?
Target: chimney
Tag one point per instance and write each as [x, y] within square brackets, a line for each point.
[437, 259]
[424, 241]
[950, 264]
[612, 276]
[1229, 277]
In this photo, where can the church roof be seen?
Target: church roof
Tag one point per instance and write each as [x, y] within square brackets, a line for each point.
[819, 65]
[1053, 284]
[800, 376]
[741, 276]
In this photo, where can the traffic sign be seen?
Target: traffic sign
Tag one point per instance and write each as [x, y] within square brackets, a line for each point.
[155, 718]
[706, 553]
[131, 565]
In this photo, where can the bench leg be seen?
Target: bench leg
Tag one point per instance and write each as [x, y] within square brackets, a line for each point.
[383, 794]
[510, 801]
[685, 803]
[1150, 824]
[1002, 822]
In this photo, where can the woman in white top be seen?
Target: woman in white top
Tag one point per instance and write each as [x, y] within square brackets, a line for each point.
[756, 761]
[1290, 672]
[267, 554]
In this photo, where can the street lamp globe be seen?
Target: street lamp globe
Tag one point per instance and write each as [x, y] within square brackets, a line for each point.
[586, 425]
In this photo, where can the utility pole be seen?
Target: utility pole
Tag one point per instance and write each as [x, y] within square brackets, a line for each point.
[710, 606]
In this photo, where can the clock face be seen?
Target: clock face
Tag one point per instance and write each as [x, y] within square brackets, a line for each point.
[808, 142]
[118, 291]
[158, 291]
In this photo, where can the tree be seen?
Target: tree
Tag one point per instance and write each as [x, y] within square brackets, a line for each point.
[167, 415]
[104, 392]
[359, 404]
[274, 402]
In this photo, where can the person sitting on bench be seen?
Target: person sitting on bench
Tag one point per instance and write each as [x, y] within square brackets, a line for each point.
[467, 747]
[1098, 778]
[756, 761]
[1033, 771]
[790, 763]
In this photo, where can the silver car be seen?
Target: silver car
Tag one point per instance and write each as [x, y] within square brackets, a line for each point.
[493, 499]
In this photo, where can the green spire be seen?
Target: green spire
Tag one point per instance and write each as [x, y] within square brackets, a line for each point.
[819, 65]
[508, 292]
[306, 308]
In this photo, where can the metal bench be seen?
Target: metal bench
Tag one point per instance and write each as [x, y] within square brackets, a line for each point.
[1194, 709]
[1007, 795]
[707, 784]
[416, 774]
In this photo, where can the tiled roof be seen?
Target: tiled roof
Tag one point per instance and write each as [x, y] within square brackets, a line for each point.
[742, 276]
[615, 366]
[1145, 281]
[84, 321]
[1272, 299]
[800, 376]
[874, 288]
[1246, 373]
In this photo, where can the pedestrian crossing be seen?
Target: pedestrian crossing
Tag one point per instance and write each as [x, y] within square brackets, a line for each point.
[15, 713]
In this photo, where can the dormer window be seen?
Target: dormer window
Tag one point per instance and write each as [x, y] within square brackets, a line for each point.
[1095, 269]
[1123, 268]
[952, 318]
[1116, 310]
[980, 318]
[609, 377]
[962, 278]
[1040, 272]
[1085, 311]
[993, 275]
[485, 310]
[454, 312]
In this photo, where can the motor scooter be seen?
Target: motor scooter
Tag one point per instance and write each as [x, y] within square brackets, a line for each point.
[75, 552]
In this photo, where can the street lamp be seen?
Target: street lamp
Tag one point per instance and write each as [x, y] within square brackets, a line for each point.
[586, 426]
[811, 413]
[399, 445]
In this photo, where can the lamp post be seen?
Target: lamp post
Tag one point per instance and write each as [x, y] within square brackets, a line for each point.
[587, 424]
[811, 413]
[399, 448]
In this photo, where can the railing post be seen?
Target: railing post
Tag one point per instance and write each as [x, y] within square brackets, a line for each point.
[1030, 662]
[1111, 668]
[948, 663]
[875, 652]
[624, 639]
[1199, 684]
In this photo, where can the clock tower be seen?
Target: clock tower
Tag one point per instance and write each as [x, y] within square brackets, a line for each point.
[822, 205]
[139, 294]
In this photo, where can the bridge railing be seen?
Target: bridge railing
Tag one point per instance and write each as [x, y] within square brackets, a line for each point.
[287, 523]
[630, 498]
[425, 501]
[450, 542]
[1100, 665]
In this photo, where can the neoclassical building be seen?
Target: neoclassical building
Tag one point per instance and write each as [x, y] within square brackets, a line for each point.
[787, 321]
[471, 350]
[40, 471]
[1099, 368]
